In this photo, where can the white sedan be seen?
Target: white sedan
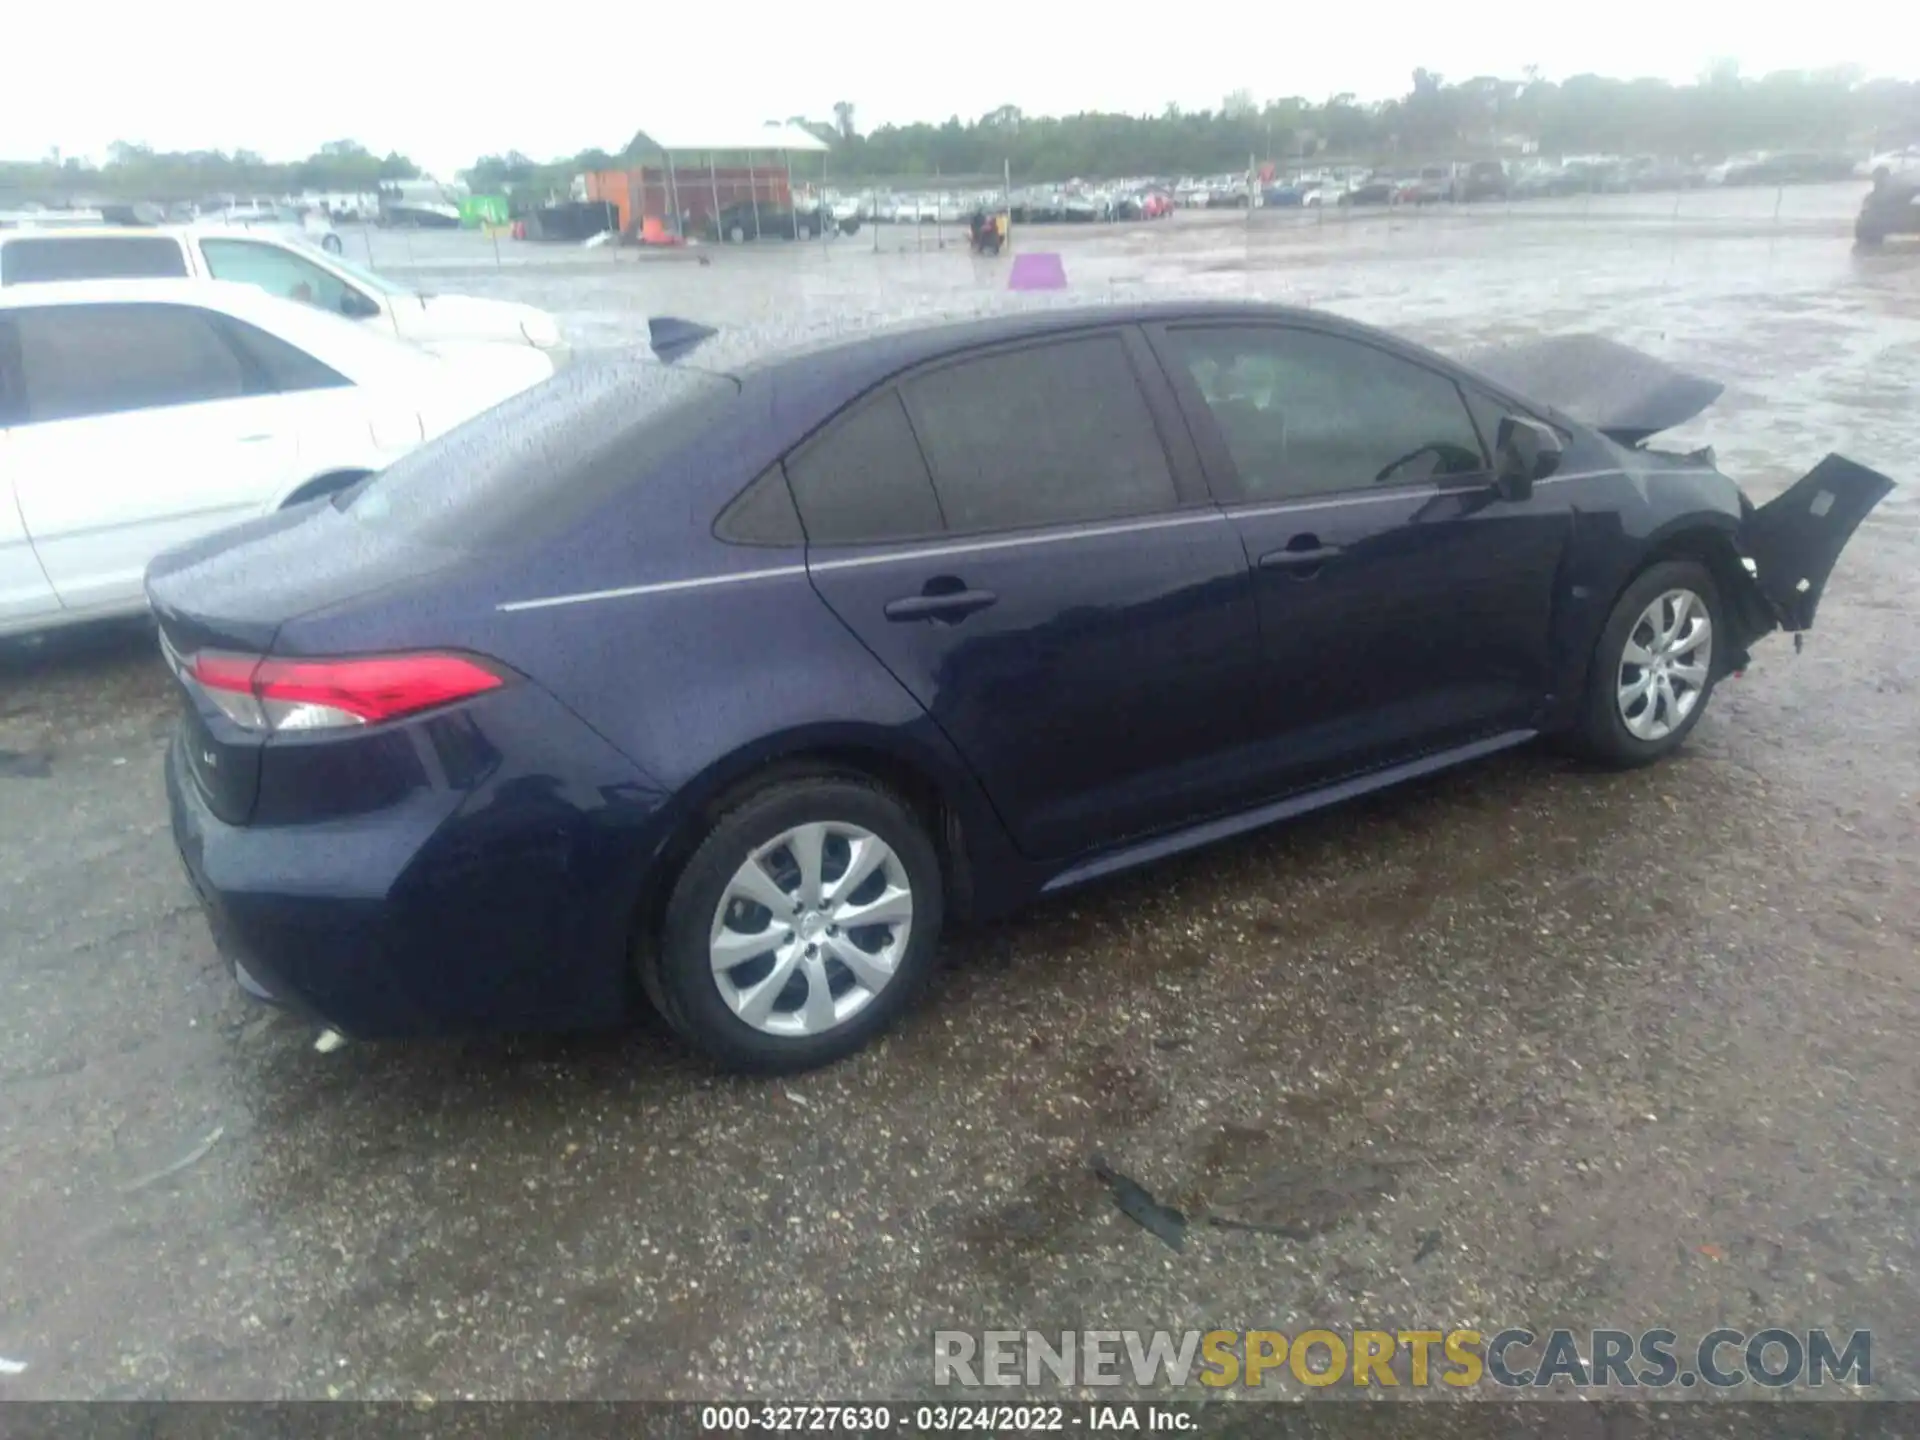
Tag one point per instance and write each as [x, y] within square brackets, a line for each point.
[279, 264]
[138, 414]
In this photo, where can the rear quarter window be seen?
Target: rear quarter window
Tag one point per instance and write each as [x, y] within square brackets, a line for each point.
[864, 480]
[44, 259]
[545, 459]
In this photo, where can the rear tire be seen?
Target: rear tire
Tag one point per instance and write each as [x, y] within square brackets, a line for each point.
[776, 865]
[1654, 667]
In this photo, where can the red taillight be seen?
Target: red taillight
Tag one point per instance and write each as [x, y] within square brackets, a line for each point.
[270, 694]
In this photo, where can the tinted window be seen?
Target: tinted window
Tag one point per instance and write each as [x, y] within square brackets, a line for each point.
[98, 359]
[277, 366]
[43, 258]
[549, 457]
[762, 515]
[863, 479]
[278, 271]
[1303, 413]
[1039, 436]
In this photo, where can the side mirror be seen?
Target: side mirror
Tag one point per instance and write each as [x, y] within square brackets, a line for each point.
[356, 306]
[1525, 451]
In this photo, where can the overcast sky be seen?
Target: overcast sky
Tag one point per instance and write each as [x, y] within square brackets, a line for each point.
[445, 83]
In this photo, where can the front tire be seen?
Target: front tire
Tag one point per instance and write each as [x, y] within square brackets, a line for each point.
[1655, 665]
[803, 925]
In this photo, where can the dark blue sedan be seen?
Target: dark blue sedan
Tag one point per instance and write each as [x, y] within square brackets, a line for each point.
[725, 680]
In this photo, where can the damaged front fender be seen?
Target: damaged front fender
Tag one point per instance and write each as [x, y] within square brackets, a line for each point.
[1792, 543]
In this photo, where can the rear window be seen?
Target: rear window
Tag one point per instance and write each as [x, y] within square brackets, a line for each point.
[544, 459]
[42, 259]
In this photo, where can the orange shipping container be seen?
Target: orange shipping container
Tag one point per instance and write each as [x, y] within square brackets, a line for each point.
[648, 192]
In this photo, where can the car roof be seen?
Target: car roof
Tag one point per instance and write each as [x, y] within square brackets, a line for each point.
[900, 340]
[67, 232]
[815, 366]
[229, 295]
[360, 351]
[213, 225]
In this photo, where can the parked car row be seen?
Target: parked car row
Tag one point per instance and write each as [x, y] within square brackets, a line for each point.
[1497, 180]
[1460, 182]
[768, 220]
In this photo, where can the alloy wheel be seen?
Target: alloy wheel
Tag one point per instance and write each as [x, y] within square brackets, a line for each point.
[1665, 665]
[812, 926]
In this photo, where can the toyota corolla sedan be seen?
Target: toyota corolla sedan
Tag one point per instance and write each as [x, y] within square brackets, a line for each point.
[723, 682]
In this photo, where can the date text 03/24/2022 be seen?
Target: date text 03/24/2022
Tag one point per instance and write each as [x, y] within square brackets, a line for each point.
[974, 1418]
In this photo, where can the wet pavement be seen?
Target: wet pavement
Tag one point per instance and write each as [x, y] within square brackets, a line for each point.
[1521, 1045]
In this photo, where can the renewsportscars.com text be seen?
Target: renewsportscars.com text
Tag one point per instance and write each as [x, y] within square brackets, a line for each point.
[1514, 1358]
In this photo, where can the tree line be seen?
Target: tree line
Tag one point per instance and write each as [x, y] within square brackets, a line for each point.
[1722, 113]
[138, 172]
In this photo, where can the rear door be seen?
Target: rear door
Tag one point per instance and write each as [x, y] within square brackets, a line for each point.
[142, 430]
[25, 592]
[1022, 537]
[1403, 606]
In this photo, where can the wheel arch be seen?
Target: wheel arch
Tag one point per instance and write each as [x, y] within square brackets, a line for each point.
[941, 796]
[1711, 540]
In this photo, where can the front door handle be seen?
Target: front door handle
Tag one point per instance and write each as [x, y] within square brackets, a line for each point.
[940, 606]
[1303, 553]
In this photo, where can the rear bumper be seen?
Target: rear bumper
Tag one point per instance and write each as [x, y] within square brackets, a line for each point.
[504, 905]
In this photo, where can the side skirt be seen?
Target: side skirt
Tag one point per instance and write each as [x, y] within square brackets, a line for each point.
[1208, 832]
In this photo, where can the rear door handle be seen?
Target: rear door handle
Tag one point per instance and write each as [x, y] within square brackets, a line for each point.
[946, 606]
[1305, 557]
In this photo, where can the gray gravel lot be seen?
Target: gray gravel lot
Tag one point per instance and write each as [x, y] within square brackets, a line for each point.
[1524, 1044]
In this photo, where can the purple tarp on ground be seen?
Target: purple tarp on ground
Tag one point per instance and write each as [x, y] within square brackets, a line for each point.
[1037, 272]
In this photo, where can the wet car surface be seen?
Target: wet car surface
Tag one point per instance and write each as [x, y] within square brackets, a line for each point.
[1523, 1044]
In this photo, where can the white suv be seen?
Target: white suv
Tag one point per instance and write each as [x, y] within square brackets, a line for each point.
[136, 415]
[276, 263]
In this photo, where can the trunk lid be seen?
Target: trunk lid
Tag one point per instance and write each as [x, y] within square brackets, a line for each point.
[232, 592]
[1795, 539]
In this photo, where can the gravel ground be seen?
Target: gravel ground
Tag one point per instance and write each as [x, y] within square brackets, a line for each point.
[1521, 1045]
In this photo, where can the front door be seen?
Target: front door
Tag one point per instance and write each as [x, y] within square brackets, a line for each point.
[279, 270]
[139, 434]
[1403, 606]
[1013, 538]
